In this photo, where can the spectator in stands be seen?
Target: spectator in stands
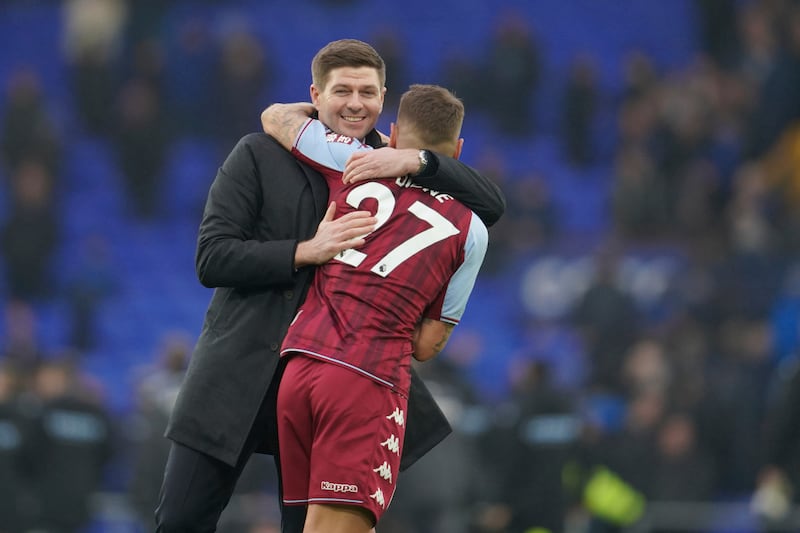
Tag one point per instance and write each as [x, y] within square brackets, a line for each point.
[15, 497]
[459, 73]
[637, 208]
[494, 165]
[717, 30]
[141, 144]
[772, 35]
[148, 64]
[28, 131]
[737, 394]
[541, 442]
[30, 236]
[145, 21]
[191, 58]
[512, 72]
[243, 75]
[581, 98]
[751, 271]
[639, 77]
[533, 214]
[683, 471]
[608, 321]
[93, 40]
[93, 281]
[71, 441]
[156, 392]
[389, 44]
[778, 481]
[22, 344]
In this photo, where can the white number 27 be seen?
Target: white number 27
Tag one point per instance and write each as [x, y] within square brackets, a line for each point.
[440, 229]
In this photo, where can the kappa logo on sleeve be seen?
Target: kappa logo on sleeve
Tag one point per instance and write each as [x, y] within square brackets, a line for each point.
[333, 137]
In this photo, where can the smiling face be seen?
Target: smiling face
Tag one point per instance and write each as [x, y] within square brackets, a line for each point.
[350, 101]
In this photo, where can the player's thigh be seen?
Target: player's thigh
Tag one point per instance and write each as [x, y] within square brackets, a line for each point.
[358, 438]
[323, 518]
[295, 427]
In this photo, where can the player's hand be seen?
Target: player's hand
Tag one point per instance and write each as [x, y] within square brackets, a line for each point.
[380, 163]
[334, 236]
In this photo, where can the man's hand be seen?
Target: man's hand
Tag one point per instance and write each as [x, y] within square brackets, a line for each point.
[381, 163]
[334, 236]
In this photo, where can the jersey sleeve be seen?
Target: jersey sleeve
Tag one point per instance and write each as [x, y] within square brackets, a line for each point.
[455, 294]
[317, 144]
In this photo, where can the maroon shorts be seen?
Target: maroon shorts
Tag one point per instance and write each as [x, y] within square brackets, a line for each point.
[340, 436]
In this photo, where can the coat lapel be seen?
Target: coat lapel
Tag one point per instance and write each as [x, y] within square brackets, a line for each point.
[319, 189]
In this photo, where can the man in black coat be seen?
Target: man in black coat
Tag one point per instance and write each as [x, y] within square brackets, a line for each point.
[262, 203]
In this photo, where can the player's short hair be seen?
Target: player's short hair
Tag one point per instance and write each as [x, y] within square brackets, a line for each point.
[345, 53]
[433, 113]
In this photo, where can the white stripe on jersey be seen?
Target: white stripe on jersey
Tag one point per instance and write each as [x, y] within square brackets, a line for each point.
[329, 149]
[460, 285]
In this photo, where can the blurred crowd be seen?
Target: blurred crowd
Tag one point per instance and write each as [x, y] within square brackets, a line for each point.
[696, 404]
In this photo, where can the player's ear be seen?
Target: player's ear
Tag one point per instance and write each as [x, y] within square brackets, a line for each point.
[459, 145]
[392, 135]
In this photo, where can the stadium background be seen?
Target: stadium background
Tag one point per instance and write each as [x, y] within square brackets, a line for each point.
[642, 289]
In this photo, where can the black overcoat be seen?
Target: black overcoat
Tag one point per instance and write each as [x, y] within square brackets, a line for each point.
[260, 205]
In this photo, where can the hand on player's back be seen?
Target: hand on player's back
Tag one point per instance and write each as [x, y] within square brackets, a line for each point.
[380, 163]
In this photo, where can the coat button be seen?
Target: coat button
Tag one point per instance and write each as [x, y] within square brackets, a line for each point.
[273, 346]
[288, 294]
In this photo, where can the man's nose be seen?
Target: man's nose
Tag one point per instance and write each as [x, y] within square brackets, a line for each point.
[354, 101]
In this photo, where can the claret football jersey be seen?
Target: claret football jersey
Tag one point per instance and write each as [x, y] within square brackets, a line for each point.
[420, 261]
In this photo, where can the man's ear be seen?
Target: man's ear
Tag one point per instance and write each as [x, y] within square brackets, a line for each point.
[459, 146]
[314, 95]
[392, 135]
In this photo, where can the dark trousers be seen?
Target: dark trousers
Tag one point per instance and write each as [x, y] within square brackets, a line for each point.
[197, 488]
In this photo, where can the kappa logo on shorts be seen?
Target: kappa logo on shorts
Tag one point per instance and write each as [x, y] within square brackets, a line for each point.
[398, 416]
[392, 444]
[338, 487]
[378, 497]
[385, 471]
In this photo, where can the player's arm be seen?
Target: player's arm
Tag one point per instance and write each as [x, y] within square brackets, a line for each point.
[441, 173]
[430, 338]
[284, 121]
[445, 311]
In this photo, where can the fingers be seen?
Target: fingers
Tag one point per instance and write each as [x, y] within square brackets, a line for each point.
[357, 229]
[357, 167]
[330, 212]
[355, 215]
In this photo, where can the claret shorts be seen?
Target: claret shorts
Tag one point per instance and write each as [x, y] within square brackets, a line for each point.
[340, 436]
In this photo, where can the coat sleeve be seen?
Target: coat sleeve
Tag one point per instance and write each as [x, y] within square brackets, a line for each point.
[228, 254]
[468, 186]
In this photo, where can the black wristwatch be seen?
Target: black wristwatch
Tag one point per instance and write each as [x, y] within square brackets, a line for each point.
[423, 162]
